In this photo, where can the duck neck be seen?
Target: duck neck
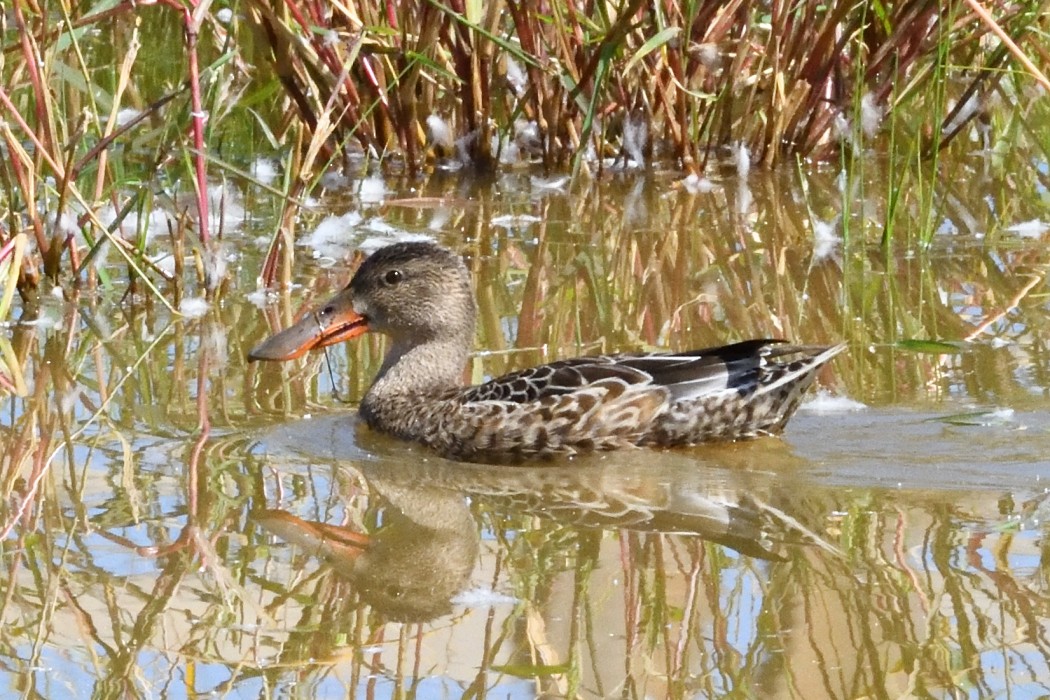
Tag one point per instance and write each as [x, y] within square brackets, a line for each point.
[419, 370]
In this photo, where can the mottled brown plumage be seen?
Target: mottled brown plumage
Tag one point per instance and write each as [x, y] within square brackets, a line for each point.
[419, 294]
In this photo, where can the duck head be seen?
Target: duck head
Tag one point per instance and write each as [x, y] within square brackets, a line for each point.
[416, 293]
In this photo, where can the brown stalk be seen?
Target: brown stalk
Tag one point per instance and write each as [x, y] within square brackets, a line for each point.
[32, 60]
[19, 161]
[192, 24]
[115, 133]
[538, 92]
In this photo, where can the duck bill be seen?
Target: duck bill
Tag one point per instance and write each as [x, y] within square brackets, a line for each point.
[339, 546]
[317, 329]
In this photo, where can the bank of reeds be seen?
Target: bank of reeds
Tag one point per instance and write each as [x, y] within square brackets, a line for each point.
[97, 122]
[677, 81]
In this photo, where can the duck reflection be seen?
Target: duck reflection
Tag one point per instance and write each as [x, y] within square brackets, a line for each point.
[426, 544]
[411, 566]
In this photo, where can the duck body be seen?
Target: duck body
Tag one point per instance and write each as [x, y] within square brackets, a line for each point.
[419, 294]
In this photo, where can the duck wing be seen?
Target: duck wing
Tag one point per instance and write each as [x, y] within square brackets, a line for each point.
[556, 379]
[686, 375]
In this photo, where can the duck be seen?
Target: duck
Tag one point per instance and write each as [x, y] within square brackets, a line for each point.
[419, 294]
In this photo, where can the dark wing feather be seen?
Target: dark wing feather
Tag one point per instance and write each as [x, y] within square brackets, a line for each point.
[695, 373]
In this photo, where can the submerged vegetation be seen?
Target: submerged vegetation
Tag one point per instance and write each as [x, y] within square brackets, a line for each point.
[143, 450]
[108, 142]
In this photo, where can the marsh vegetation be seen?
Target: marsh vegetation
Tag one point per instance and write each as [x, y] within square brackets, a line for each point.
[180, 180]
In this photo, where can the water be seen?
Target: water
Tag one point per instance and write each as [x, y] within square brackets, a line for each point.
[178, 522]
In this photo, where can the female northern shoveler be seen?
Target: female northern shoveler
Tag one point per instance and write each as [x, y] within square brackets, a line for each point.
[419, 294]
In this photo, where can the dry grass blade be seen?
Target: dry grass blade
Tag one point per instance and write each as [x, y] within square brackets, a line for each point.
[10, 270]
[1029, 66]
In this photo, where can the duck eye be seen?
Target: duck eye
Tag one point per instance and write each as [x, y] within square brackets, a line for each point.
[393, 277]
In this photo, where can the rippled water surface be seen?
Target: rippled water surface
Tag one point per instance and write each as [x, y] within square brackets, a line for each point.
[178, 522]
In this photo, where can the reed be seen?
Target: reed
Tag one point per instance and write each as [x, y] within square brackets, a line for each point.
[97, 118]
[669, 81]
[85, 153]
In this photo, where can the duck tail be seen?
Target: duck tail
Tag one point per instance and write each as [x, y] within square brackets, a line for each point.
[786, 382]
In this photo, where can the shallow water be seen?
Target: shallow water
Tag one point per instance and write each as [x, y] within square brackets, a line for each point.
[179, 522]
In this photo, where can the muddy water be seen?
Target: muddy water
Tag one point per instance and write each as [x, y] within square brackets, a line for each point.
[178, 522]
